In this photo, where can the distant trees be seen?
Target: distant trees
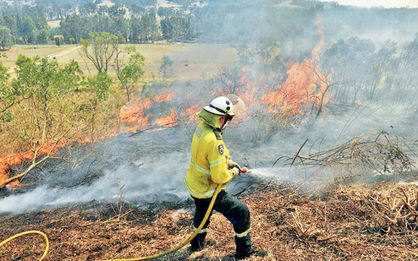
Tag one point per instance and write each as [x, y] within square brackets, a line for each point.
[144, 28]
[59, 39]
[361, 72]
[226, 21]
[30, 28]
[178, 28]
[6, 38]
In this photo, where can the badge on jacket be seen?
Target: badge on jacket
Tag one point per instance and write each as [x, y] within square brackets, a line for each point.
[221, 149]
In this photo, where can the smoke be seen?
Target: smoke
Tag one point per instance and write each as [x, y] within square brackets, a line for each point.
[141, 179]
[149, 167]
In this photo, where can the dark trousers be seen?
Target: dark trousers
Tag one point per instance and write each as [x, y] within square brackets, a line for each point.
[234, 210]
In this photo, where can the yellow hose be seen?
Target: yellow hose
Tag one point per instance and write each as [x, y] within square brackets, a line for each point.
[29, 232]
[174, 249]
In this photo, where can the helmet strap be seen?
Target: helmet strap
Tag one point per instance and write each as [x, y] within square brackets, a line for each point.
[224, 125]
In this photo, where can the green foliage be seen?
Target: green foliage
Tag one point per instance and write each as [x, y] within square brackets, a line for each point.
[178, 28]
[144, 28]
[99, 87]
[44, 80]
[46, 109]
[99, 49]
[59, 39]
[97, 90]
[131, 73]
[7, 92]
[6, 38]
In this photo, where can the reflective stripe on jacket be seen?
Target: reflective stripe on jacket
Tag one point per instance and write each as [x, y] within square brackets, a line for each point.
[208, 166]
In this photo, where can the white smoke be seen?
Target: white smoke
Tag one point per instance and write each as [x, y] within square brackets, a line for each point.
[150, 181]
[150, 167]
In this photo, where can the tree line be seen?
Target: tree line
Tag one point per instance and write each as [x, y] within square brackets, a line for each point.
[33, 28]
[29, 28]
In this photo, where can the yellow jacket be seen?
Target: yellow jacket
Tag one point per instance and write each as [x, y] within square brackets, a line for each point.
[208, 166]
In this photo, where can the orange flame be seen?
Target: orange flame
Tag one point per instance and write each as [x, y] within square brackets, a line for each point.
[190, 114]
[305, 86]
[134, 113]
[164, 97]
[168, 121]
[19, 158]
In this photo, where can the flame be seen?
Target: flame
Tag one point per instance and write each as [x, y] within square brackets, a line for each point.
[19, 158]
[168, 121]
[134, 113]
[305, 86]
[248, 91]
[190, 114]
[164, 97]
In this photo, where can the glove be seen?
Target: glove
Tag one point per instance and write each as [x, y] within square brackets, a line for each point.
[232, 164]
[235, 171]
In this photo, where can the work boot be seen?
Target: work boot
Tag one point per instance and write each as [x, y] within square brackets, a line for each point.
[243, 247]
[198, 242]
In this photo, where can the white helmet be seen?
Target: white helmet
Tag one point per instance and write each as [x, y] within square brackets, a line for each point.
[221, 106]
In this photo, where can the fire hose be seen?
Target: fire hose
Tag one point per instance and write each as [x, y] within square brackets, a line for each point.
[174, 249]
[26, 233]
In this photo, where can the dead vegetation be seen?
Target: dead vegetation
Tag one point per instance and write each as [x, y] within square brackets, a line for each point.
[381, 152]
[349, 222]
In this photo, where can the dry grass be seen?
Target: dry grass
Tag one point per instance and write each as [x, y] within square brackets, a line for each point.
[190, 61]
[342, 225]
[31, 51]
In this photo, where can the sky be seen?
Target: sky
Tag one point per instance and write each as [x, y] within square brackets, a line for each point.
[377, 3]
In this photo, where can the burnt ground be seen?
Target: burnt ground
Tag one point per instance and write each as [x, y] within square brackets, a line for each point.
[364, 222]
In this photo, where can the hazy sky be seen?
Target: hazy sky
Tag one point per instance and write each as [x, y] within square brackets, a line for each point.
[380, 3]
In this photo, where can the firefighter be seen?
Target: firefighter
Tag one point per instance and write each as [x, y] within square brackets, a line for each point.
[211, 165]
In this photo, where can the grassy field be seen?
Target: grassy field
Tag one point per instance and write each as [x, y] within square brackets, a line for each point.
[190, 61]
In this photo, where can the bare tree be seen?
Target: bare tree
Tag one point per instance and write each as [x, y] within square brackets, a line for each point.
[100, 49]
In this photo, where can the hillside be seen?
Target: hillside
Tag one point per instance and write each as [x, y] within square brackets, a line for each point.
[345, 223]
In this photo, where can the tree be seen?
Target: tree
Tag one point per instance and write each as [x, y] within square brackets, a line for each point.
[59, 39]
[6, 38]
[48, 109]
[28, 30]
[131, 73]
[178, 28]
[100, 49]
[44, 36]
[8, 95]
[116, 10]
[165, 66]
[97, 89]
[144, 28]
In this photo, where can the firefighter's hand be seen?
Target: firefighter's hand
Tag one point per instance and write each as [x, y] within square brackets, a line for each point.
[232, 164]
[235, 171]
